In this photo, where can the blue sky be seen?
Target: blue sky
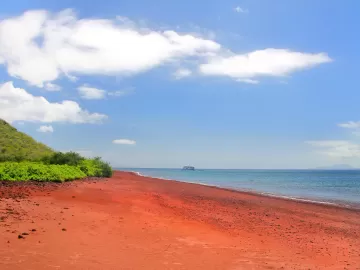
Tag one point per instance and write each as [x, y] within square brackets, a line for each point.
[214, 84]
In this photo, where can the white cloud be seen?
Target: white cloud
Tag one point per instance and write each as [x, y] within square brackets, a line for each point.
[356, 133]
[71, 77]
[250, 81]
[268, 62]
[124, 141]
[117, 93]
[328, 143]
[18, 105]
[39, 46]
[52, 87]
[182, 73]
[350, 125]
[355, 126]
[87, 92]
[337, 148]
[46, 129]
[240, 10]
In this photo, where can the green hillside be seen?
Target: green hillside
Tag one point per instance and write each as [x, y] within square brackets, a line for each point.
[17, 146]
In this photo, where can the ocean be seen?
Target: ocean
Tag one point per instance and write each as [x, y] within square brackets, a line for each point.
[328, 186]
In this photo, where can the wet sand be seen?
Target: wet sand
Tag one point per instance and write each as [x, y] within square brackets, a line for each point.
[134, 222]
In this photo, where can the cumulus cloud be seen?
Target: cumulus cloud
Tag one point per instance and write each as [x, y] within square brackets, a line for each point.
[240, 10]
[337, 148]
[46, 129]
[39, 46]
[16, 104]
[87, 92]
[267, 62]
[124, 141]
[52, 87]
[350, 125]
[250, 81]
[118, 93]
[182, 73]
[71, 77]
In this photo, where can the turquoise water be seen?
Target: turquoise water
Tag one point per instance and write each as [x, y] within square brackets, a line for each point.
[317, 185]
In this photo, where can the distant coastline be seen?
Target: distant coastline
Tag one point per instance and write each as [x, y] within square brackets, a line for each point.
[337, 167]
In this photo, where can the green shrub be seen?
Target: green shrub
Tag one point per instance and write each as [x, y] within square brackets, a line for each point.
[106, 170]
[22, 159]
[59, 158]
[89, 167]
[24, 171]
[96, 167]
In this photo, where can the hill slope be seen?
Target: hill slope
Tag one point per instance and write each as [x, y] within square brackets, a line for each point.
[16, 146]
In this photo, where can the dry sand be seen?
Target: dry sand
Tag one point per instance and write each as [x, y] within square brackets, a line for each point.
[134, 222]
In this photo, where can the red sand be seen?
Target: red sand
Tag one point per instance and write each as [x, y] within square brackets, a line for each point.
[133, 222]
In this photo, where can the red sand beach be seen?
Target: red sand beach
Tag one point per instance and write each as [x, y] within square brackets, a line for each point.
[134, 222]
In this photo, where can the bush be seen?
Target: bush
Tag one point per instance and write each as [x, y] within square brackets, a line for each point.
[56, 167]
[22, 158]
[59, 158]
[24, 171]
[106, 170]
[89, 167]
[96, 167]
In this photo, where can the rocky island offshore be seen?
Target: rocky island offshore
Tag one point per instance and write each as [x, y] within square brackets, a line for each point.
[189, 168]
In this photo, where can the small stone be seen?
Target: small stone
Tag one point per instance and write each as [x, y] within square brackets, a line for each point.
[25, 233]
[63, 229]
[21, 237]
[33, 230]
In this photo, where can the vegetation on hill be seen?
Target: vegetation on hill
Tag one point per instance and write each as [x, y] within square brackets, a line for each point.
[23, 159]
[24, 171]
[17, 146]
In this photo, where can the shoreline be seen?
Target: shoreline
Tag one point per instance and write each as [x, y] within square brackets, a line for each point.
[334, 203]
[136, 222]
